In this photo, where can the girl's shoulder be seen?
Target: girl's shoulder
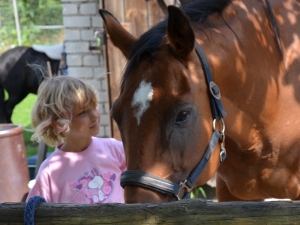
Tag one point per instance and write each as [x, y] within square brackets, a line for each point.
[108, 144]
[52, 157]
[106, 141]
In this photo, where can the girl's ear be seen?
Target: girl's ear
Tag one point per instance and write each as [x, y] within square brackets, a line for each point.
[54, 124]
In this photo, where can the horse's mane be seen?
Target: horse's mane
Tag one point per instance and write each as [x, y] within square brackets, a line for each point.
[149, 42]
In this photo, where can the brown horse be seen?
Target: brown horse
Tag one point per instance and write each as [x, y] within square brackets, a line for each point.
[170, 113]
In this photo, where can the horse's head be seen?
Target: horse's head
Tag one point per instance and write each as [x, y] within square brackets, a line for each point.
[163, 110]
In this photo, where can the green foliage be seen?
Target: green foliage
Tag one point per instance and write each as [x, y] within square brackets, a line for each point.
[21, 113]
[31, 14]
[21, 116]
[198, 192]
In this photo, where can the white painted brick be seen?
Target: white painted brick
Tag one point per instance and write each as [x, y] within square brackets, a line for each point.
[102, 59]
[77, 47]
[107, 131]
[91, 60]
[87, 35]
[97, 89]
[69, 9]
[106, 108]
[74, 60]
[103, 85]
[99, 55]
[102, 131]
[91, 81]
[104, 120]
[100, 72]
[80, 72]
[71, 35]
[102, 108]
[98, 52]
[97, 21]
[76, 21]
[103, 96]
[88, 8]
[94, 83]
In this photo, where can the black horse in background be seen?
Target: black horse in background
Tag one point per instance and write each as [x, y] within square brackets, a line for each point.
[22, 69]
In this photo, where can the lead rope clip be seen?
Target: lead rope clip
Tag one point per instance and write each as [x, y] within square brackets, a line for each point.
[223, 153]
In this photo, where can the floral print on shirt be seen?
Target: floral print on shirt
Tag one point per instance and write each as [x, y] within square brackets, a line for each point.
[92, 188]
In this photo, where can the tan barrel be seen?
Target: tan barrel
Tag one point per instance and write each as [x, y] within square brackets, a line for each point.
[14, 174]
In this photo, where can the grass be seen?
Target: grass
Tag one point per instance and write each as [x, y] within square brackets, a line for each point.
[21, 116]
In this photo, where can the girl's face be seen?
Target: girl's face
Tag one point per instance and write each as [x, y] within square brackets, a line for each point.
[85, 123]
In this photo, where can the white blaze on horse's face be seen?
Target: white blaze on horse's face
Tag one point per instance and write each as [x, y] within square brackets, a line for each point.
[141, 99]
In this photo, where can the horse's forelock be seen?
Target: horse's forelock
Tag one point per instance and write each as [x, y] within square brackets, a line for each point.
[198, 11]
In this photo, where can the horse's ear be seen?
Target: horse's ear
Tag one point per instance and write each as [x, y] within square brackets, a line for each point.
[180, 33]
[118, 35]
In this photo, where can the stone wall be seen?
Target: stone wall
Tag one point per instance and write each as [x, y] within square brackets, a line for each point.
[81, 20]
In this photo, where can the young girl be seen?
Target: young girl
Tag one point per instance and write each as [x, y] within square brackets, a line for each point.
[83, 168]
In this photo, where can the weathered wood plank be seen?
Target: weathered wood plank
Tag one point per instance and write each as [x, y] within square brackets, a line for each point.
[136, 15]
[155, 13]
[115, 60]
[183, 212]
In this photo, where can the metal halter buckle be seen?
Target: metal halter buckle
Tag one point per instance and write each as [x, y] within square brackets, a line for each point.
[223, 153]
[183, 186]
[214, 90]
[222, 131]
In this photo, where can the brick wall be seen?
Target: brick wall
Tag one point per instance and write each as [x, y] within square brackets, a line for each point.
[81, 19]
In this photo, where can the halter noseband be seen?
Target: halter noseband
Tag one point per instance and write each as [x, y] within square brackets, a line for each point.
[182, 190]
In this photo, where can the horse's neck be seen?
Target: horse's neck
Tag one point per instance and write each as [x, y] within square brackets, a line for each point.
[247, 65]
[242, 54]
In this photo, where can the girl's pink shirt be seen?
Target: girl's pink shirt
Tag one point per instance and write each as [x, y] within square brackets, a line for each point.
[88, 177]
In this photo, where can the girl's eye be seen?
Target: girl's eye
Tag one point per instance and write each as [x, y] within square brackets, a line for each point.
[81, 113]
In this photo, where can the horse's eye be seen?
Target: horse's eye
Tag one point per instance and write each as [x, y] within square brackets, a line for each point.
[183, 116]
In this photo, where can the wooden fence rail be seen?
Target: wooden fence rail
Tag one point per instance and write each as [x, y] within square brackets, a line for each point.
[187, 212]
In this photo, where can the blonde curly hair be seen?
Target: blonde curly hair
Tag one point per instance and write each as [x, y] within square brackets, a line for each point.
[58, 99]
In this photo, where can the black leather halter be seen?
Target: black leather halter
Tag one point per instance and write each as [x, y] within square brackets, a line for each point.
[182, 190]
